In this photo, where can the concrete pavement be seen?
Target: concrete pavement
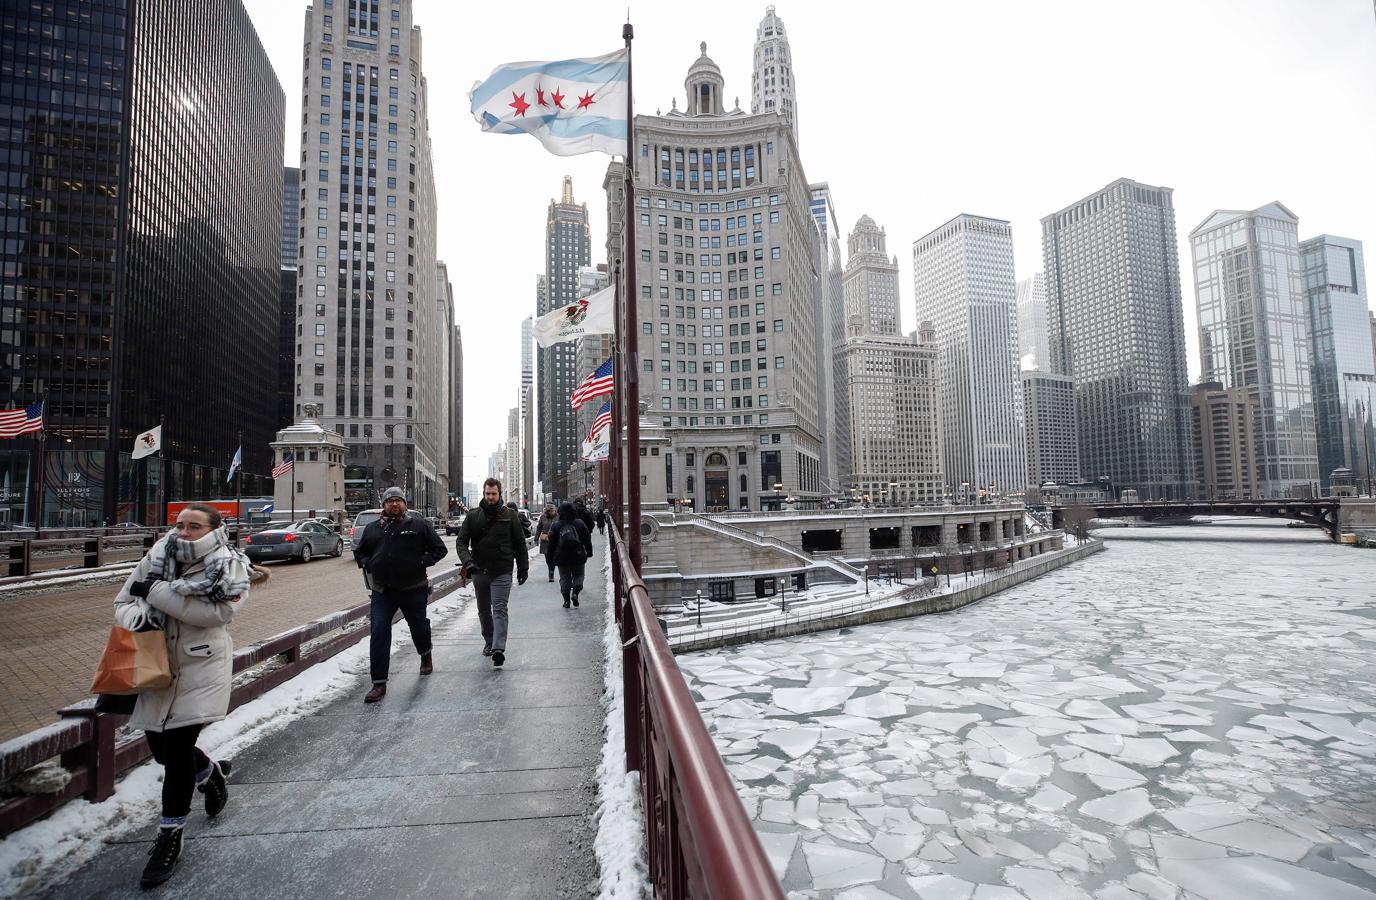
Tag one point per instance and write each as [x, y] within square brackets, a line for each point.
[471, 782]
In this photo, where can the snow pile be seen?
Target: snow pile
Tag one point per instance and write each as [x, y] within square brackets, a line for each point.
[620, 841]
[49, 850]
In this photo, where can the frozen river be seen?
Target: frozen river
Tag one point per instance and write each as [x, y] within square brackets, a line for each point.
[1191, 713]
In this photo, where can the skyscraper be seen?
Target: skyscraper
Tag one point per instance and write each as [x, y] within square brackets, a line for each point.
[1254, 333]
[1341, 360]
[963, 282]
[725, 287]
[1116, 328]
[1224, 442]
[895, 436]
[141, 150]
[834, 402]
[527, 405]
[446, 412]
[368, 335]
[870, 282]
[568, 245]
[286, 322]
[1053, 452]
[1034, 340]
[771, 85]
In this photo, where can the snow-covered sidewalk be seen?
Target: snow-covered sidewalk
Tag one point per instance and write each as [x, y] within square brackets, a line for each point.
[474, 780]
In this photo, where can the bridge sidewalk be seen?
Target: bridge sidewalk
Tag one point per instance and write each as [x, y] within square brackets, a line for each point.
[470, 782]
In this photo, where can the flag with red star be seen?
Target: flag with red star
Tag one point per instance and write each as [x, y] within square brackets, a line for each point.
[570, 106]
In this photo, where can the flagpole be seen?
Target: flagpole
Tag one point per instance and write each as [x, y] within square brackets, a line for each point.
[631, 364]
[40, 456]
[239, 490]
[162, 472]
[618, 379]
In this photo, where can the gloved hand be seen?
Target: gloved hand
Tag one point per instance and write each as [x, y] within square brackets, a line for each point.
[140, 588]
[521, 577]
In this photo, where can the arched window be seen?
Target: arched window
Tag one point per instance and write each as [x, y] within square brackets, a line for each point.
[716, 459]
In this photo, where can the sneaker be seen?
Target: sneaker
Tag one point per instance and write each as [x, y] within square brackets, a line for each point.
[566, 603]
[487, 651]
[575, 599]
[377, 693]
[498, 657]
[426, 664]
[216, 788]
[162, 859]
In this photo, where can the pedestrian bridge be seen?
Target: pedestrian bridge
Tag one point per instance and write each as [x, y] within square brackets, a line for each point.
[1322, 512]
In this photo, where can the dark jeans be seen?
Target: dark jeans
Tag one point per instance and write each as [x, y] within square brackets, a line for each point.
[571, 579]
[176, 751]
[385, 606]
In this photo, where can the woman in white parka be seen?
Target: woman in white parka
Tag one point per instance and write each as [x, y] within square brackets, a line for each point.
[190, 585]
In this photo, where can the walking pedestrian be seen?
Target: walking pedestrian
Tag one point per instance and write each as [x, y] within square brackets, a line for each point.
[542, 530]
[490, 540]
[189, 584]
[394, 552]
[572, 540]
[580, 509]
[601, 516]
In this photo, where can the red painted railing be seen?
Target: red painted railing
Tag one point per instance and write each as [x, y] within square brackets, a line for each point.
[698, 838]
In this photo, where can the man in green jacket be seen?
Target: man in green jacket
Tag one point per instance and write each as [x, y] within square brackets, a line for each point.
[490, 539]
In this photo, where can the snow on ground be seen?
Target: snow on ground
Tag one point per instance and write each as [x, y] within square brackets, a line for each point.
[50, 849]
[620, 840]
[105, 573]
[1191, 714]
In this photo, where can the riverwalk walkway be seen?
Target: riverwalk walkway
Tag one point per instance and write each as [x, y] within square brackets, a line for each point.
[470, 782]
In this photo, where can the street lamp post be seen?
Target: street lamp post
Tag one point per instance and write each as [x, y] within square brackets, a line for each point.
[893, 493]
[778, 493]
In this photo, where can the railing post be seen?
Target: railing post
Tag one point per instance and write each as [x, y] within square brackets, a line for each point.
[97, 755]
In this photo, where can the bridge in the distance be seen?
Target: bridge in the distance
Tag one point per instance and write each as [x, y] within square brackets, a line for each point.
[1321, 512]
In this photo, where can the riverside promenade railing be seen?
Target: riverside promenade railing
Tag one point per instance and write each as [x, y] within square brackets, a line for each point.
[699, 841]
[84, 740]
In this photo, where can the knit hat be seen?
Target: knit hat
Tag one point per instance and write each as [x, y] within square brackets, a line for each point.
[393, 492]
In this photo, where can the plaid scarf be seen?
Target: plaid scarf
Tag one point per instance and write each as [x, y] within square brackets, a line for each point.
[224, 576]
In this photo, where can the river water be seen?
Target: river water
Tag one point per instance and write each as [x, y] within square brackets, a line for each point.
[1191, 713]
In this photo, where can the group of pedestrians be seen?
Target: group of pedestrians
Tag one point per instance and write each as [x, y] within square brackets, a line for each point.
[193, 581]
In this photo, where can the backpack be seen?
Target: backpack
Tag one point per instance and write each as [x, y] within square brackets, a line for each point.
[568, 538]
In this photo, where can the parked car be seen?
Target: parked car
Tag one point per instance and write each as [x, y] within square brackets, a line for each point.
[327, 522]
[452, 525]
[362, 521]
[298, 541]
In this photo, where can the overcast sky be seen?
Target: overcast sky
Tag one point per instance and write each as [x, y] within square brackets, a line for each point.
[914, 112]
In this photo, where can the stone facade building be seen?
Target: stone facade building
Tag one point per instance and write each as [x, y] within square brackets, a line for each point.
[725, 287]
[369, 325]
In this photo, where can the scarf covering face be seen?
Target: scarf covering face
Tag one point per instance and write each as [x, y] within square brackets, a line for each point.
[224, 576]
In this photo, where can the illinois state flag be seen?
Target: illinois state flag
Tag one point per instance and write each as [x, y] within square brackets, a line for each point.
[571, 106]
[593, 314]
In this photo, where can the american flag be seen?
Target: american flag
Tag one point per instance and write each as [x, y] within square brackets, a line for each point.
[597, 384]
[604, 418]
[283, 467]
[14, 422]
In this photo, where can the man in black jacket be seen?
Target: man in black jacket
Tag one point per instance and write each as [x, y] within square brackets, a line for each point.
[394, 553]
[491, 538]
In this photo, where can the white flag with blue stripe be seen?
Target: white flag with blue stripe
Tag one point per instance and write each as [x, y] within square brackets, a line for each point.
[571, 106]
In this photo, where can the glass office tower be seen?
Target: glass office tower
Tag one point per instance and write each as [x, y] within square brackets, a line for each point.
[141, 163]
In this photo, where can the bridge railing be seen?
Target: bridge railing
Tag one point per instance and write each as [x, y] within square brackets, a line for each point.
[85, 740]
[699, 841]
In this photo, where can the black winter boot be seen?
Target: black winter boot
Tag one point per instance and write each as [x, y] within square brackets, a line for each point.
[162, 859]
[216, 788]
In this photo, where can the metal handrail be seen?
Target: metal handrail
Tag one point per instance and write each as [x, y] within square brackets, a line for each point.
[699, 841]
[85, 739]
[798, 553]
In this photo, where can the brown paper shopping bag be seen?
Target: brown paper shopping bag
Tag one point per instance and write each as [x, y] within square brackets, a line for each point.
[133, 662]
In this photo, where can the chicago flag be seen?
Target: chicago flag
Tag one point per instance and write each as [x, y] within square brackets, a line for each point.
[570, 106]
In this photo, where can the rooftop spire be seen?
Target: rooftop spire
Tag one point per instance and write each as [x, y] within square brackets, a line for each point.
[568, 190]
